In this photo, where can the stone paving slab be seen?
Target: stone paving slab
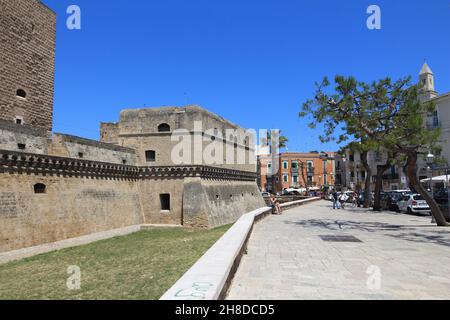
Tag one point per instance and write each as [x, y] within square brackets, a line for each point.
[287, 259]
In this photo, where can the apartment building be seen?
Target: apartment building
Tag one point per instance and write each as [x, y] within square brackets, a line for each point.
[297, 170]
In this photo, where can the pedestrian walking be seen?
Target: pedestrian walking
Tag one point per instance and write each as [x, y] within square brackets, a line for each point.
[335, 198]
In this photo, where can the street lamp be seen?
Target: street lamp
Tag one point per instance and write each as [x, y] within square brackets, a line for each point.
[430, 161]
[430, 158]
[346, 174]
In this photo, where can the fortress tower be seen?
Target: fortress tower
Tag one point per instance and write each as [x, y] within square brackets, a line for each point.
[27, 59]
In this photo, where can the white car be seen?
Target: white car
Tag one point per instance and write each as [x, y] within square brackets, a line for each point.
[414, 203]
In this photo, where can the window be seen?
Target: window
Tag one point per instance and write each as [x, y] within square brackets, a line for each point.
[285, 165]
[124, 161]
[352, 158]
[150, 156]
[378, 156]
[433, 120]
[310, 166]
[269, 168]
[285, 178]
[294, 165]
[80, 155]
[325, 181]
[21, 146]
[18, 120]
[39, 188]
[295, 179]
[164, 128]
[21, 93]
[165, 202]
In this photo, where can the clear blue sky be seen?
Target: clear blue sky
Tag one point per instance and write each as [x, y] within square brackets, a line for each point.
[252, 61]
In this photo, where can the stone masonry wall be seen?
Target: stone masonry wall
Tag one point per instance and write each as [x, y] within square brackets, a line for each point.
[138, 129]
[79, 148]
[32, 139]
[150, 191]
[71, 207]
[27, 57]
[211, 203]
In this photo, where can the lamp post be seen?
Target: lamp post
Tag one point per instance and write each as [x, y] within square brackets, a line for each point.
[344, 160]
[430, 161]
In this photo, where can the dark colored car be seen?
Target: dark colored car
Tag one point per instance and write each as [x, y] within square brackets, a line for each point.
[361, 199]
[384, 198]
[392, 201]
[441, 196]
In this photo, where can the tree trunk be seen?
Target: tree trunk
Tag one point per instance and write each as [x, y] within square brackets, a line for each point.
[381, 169]
[378, 187]
[411, 166]
[367, 180]
[305, 181]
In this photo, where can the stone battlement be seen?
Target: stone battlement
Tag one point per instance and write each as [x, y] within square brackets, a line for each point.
[12, 161]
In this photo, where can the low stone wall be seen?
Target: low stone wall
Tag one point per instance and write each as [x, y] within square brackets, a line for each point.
[210, 277]
[284, 199]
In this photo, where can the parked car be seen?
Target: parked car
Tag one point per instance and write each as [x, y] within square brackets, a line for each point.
[265, 194]
[414, 203]
[384, 200]
[361, 199]
[441, 196]
[390, 200]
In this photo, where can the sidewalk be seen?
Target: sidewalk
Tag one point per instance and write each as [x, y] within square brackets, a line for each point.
[288, 257]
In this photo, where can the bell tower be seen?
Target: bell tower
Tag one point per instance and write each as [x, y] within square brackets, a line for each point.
[426, 80]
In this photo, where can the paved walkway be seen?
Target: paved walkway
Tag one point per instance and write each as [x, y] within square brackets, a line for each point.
[400, 257]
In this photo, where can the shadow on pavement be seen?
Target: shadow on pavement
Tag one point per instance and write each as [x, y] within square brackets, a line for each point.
[404, 232]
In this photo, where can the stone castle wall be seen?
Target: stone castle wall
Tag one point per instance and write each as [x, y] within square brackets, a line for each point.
[83, 197]
[14, 137]
[27, 51]
[139, 129]
[75, 147]
[72, 206]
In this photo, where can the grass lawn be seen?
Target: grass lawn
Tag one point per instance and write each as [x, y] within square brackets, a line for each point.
[142, 265]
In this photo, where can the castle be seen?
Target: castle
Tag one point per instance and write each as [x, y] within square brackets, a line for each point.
[55, 186]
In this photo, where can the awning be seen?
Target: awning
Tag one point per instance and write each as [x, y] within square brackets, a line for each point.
[437, 179]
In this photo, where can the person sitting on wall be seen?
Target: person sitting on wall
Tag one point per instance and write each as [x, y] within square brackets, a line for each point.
[275, 205]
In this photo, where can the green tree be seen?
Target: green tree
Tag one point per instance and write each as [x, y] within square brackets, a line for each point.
[384, 115]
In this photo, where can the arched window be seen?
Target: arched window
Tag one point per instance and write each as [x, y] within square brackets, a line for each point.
[39, 188]
[164, 128]
[21, 93]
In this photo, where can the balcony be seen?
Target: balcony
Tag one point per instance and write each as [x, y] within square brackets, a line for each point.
[294, 170]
